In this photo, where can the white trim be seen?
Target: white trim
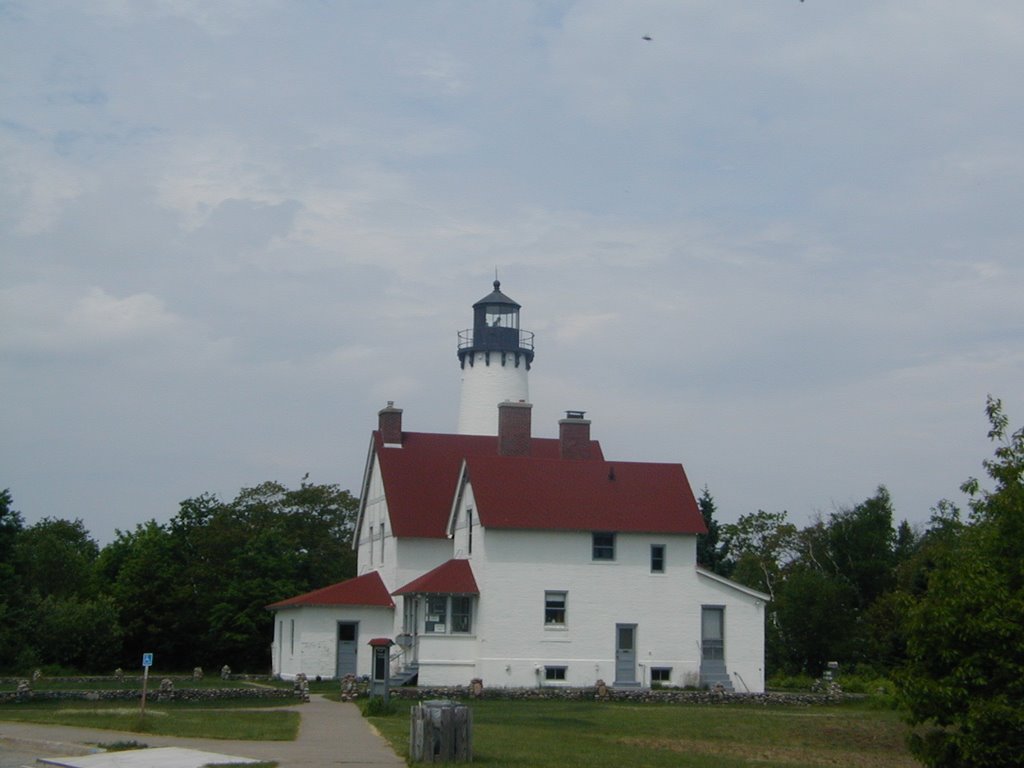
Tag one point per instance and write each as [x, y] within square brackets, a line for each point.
[460, 487]
[371, 456]
[733, 584]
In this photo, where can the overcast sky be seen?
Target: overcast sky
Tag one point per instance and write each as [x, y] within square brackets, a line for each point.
[779, 242]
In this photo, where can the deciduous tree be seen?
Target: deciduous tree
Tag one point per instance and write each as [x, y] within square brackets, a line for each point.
[964, 681]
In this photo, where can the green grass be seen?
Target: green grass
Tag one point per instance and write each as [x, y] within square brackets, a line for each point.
[210, 720]
[543, 733]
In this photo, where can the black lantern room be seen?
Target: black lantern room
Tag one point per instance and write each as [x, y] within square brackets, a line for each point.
[496, 329]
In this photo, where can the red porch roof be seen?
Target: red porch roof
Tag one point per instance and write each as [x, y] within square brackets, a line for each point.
[454, 577]
[542, 494]
[420, 477]
[367, 590]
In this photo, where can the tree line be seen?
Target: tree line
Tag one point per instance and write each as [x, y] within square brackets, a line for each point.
[192, 590]
[939, 610]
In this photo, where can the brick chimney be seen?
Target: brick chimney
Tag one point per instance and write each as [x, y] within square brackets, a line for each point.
[574, 436]
[514, 428]
[389, 422]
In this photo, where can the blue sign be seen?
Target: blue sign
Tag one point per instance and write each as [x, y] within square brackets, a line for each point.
[147, 659]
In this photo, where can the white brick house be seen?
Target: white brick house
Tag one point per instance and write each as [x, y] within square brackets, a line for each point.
[520, 560]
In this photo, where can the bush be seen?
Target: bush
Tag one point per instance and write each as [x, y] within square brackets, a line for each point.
[375, 706]
[790, 682]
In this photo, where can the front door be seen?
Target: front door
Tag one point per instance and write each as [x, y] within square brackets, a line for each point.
[712, 636]
[348, 636]
[625, 654]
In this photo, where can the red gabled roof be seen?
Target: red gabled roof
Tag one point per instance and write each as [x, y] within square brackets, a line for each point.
[542, 494]
[420, 477]
[454, 577]
[365, 590]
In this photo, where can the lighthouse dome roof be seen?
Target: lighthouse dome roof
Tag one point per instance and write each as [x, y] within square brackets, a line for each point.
[497, 297]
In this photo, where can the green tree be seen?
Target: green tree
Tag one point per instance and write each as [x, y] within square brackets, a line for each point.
[56, 557]
[861, 545]
[194, 591]
[762, 544]
[78, 634]
[712, 550]
[12, 613]
[812, 620]
[964, 681]
[147, 580]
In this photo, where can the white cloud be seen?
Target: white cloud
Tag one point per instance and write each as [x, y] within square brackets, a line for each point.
[42, 319]
[36, 187]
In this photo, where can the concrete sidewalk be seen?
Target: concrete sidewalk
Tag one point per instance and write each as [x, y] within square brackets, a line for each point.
[330, 734]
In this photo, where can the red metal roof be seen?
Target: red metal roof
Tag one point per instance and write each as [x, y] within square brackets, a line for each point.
[544, 494]
[454, 577]
[420, 477]
[365, 590]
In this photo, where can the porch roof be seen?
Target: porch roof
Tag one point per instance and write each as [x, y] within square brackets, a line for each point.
[454, 577]
[367, 590]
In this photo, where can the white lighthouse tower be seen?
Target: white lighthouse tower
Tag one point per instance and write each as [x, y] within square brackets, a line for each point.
[495, 355]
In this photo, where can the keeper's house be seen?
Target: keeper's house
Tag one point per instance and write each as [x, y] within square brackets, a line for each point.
[520, 560]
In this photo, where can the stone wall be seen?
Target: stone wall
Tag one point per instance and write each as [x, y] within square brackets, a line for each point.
[153, 694]
[645, 695]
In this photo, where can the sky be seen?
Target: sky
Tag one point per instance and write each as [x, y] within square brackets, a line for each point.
[779, 242]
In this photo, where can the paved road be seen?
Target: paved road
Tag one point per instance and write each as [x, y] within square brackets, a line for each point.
[330, 734]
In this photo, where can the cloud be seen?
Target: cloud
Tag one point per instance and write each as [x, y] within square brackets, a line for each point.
[36, 187]
[44, 320]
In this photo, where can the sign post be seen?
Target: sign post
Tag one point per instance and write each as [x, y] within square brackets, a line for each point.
[147, 662]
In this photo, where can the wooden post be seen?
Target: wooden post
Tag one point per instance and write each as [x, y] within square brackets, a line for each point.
[440, 732]
[145, 680]
[147, 662]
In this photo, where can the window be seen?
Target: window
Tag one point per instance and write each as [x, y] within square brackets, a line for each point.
[604, 546]
[292, 651]
[437, 614]
[449, 614]
[462, 608]
[657, 558]
[469, 523]
[554, 673]
[554, 609]
[661, 674]
[382, 542]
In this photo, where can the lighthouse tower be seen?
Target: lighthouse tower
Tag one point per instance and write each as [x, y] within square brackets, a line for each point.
[495, 356]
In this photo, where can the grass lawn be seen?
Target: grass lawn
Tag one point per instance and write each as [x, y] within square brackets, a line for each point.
[546, 733]
[212, 720]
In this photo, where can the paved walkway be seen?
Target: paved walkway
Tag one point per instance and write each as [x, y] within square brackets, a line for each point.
[330, 734]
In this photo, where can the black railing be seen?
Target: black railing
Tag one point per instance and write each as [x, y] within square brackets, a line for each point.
[498, 339]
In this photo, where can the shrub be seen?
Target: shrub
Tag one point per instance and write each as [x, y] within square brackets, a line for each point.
[375, 706]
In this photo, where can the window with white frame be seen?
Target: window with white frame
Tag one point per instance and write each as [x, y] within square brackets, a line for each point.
[657, 558]
[554, 673]
[661, 674]
[555, 608]
[462, 613]
[448, 614]
[603, 545]
[469, 532]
